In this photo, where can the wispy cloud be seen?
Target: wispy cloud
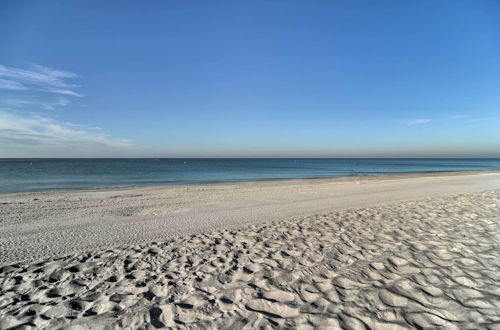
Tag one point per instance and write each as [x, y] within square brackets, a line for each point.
[11, 85]
[58, 102]
[39, 78]
[24, 125]
[18, 103]
[417, 121]
[37, 130]
[46, 105]
[63, 91]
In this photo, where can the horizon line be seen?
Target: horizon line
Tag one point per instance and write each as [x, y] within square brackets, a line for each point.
[360, 157]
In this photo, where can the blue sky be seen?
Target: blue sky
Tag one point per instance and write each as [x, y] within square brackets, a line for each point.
[248, 79]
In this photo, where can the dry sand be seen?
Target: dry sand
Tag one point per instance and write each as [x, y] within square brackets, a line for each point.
[382, 253]
[40, 225]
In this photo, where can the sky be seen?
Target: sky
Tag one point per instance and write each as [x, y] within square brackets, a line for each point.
[249, 78]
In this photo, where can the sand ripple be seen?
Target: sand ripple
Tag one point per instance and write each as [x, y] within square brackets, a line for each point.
[426, 264]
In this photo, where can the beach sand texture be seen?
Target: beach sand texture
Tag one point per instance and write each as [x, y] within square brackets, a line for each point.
[40, 225]
[429, 262]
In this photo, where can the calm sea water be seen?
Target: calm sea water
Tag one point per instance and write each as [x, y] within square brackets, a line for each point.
[18, 175]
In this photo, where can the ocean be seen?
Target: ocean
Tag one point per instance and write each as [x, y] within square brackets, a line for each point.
[22, 175]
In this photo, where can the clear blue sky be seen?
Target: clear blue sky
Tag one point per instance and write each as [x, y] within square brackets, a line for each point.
[245, 79]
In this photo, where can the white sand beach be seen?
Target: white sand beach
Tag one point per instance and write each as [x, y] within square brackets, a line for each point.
[387, 252]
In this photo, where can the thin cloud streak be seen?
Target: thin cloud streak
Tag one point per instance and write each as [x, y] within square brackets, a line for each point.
[417, 121]
[64, 92]
[46, 105]
[37, 130]
[40, 78]
[12, 85]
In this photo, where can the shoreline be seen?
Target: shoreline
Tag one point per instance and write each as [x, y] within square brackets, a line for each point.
[285, 180]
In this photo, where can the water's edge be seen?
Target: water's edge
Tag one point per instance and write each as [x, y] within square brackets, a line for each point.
[31, 175]
[344, 179]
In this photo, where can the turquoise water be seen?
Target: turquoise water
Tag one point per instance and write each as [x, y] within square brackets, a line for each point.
[17, 175]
